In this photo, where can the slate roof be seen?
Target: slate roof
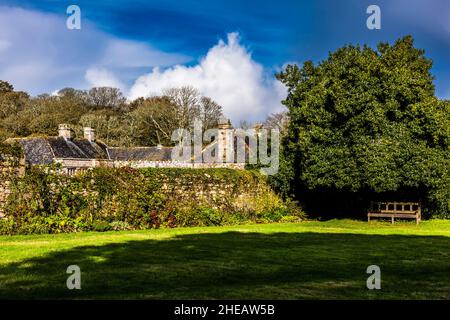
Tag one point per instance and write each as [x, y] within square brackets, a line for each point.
[141, 153]
[77, 149]
[36, 150]
[42, 150]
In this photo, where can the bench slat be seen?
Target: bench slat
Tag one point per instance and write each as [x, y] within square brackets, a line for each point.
[390, 215]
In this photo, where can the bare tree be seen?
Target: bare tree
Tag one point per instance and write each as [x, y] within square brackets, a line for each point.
[244, 124]
[278, 121]
[210, 112]
[191, 105]
[105, 97]
[187, 102]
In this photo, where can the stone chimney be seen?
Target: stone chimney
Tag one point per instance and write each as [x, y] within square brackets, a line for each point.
[258, 127]
[224, 123]
[65, 131]
[89, 134]
[225, 141]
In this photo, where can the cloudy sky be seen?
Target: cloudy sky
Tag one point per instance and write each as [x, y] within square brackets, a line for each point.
[228, 49]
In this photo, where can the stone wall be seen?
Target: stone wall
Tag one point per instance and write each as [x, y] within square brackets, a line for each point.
[213, 192]
[9, 166]
[73, 166]
[220, 189]
[175, 164]
[127, 198]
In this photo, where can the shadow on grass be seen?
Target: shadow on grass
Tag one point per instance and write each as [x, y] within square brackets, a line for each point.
[237, 265]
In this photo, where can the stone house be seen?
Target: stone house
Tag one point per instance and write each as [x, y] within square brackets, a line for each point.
[78, 154]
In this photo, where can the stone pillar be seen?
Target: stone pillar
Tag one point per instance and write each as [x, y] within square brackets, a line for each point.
[225, 138]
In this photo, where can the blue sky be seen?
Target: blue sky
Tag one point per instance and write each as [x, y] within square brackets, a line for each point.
[121, 42]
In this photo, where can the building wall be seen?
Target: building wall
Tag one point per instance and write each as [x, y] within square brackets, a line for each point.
[74, 166]
[173, 164]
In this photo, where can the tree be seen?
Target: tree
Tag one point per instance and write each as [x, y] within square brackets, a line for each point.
[72, 93]
[191, 105]
[105, 97]
[278, 121]
[12, 102]
[155, 118]
[245, 125]
[5, 87]
[210, 112]
[186, 100]
[367, 122]
[108, 125]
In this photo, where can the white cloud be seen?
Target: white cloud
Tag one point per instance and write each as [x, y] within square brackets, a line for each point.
[228, 74]
[101, 77]
[39, 54]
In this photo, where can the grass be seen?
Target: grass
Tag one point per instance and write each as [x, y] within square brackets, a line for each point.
[308, 260]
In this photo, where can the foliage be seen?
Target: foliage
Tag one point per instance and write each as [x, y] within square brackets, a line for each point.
[119, 226]
[102, 199]
[367, 121]
[141, 122]
[5, 87]
[13, 150]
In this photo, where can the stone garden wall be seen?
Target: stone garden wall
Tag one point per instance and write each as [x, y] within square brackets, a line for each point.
[102, 198]
[9, 166]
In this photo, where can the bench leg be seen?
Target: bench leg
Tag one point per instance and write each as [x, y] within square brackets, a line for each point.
[392, 218]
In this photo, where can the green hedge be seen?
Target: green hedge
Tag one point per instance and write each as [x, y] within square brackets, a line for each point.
[104, 199]
[13, 150]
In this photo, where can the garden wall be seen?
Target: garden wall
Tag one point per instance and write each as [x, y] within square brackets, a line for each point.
[10, 166]
[43, 201]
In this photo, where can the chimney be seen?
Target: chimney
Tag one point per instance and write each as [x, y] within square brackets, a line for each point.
[225, 141]
[64, 131]
[224, 123]
[89, 134]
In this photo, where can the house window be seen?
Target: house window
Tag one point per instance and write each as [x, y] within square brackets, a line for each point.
[71, 171]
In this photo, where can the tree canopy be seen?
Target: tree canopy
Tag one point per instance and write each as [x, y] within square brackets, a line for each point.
[118, 122]
[367, 120]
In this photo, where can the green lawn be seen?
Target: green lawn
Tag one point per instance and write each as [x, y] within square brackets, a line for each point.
[308, 260]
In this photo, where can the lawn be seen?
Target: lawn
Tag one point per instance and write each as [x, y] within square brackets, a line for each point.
[308, 260]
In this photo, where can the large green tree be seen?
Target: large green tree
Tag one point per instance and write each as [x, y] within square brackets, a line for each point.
[367, 121]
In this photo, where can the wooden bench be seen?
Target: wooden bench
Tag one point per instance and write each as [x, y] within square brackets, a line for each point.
[403, 210]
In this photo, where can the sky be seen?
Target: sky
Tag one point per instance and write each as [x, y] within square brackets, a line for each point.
[228, 49]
